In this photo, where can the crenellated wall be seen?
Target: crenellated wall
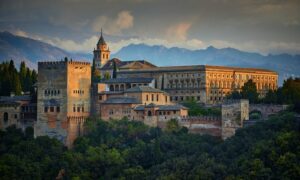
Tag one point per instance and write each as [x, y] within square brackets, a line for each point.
[63, 91]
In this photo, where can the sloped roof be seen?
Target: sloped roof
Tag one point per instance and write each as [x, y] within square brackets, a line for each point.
[144, 89]
[121, 100]
[101, 40]
[127, 64]
[161, 107]
[128, 80]
[15, 98]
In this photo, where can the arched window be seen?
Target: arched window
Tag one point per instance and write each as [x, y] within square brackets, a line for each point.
[111, 88]
[5, 117]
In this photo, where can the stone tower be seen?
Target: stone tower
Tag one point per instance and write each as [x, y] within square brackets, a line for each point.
[234, 113]
[63, 99]
[101, 53]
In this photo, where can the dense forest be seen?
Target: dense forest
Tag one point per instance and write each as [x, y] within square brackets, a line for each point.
[14, 81]
[131, 150]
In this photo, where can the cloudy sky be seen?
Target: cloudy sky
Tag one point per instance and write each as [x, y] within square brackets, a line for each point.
[265, 26]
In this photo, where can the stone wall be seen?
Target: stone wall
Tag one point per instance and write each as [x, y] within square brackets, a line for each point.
[234, 112]
[203, 124]
[64, 90]
[267, 109]
[9, 115]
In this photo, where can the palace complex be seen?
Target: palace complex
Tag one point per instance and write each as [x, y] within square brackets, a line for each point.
[68, 92]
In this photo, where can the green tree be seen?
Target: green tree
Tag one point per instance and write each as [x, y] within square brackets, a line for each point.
[22, 74]
[114, 70]
[173, 126]
[249, 91]
[106, 75]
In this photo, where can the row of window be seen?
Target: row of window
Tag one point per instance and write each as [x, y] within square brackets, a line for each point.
[52, 92]
[78, 91]
[240, 76]
[78, 108]
[103, 56]
[182, 98]
[28, 109]
[51, 109]
[185, 75]
[121, 87]
[5, 117]
[188, 91]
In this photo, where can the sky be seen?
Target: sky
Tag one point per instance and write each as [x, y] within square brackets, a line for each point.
[264, 26]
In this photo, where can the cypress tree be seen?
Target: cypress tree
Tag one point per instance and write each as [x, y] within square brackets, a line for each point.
[114, 70]
[28, 81]
[22, 74]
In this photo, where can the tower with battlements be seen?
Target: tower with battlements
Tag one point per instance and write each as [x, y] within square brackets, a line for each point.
[63, 99]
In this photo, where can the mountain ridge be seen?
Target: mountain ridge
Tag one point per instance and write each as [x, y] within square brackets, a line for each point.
[29, 50]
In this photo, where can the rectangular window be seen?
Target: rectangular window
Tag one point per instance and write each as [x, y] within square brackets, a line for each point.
[78, 109]
[147, 97]
[57, 109]
[100, 98]
[82, 109]
[51, 109]
[157, 97]
[152, 97]
[74, 109]
[45, 109]
[16, 116]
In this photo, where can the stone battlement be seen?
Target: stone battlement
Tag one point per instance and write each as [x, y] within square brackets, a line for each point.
[201, 118]
[41, 63]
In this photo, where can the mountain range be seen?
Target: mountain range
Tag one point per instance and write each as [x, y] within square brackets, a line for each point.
[30, 50]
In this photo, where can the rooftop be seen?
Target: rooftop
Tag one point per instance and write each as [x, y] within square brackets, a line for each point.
[125, 64]
[144, 89]
[129, 80]
[196, 68]
[161, 107]
[121, 100]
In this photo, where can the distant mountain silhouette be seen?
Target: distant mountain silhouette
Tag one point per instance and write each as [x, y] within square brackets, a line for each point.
[286, 65]
[29, 50]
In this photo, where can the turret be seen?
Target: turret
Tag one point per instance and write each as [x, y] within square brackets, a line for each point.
[101, 53]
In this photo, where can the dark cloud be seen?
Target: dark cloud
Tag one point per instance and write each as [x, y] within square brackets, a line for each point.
[240, 23]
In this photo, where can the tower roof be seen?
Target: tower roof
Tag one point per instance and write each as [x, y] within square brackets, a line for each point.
[101, 39]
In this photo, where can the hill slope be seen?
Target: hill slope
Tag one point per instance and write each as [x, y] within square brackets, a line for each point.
[29, 50]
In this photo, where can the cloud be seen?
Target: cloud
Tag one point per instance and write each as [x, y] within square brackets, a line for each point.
[113, 26]
[178, 32]
[19, 32]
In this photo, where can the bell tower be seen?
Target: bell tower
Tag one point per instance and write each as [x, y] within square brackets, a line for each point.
[101, 53]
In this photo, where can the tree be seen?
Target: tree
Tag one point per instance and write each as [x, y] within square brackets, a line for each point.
[249, 91]
[234, 95]
[173, 126]
[22, 74]
[271, 97]
[28, 81]
[106, 75]
[114, 70]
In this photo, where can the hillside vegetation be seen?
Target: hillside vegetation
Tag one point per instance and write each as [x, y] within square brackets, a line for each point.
[131, 150]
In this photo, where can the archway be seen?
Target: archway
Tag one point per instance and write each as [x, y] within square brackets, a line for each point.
[5, 117]
[111, 88]
[149, 113]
